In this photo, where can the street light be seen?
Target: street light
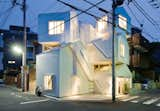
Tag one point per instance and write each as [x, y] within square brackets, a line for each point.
[24, 63]
[19, 50]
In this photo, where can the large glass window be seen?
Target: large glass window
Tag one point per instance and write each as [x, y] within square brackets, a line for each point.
[122, 22]
[48, 82]
[102, 24]
[55, 27]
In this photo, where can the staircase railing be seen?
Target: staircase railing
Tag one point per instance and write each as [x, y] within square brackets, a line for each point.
[81, 65]
[100, 50]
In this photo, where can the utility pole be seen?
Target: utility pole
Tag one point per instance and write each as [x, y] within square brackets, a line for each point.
[113, 59]
[24, 67]
[115, 3]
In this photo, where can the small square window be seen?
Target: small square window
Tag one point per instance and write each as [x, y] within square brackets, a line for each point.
[122, 22]
[55, 27]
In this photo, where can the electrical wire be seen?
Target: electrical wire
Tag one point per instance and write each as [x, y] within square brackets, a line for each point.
[84, 11]
[133, 14]
[77, 14]
[153, 38]
[118, 17]
[150, 19]
[45, 9]
[4, 12]
[6, 18]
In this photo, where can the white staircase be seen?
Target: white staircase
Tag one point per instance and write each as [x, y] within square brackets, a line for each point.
[79, 51]
[100, 80]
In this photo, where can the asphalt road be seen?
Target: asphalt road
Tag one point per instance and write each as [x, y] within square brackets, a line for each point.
[12, 100]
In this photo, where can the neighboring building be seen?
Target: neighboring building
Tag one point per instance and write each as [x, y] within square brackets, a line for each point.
[77, 58]
[154, 56]
[139, 58]
[11, 61]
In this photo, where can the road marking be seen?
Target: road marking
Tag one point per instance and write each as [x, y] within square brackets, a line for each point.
[128, 99]
[138, 100]
[37, 101]
[18, 96]
[158, 104]
[12, 93]
[135, 101]
[151, 101]
[51, 97]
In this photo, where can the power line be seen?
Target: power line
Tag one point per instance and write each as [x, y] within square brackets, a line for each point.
[77, 14]
[99, 8]
[6, 18]
[133, 14]
[153, 38]
[150, 19]
[103, 10]
[84, 11]
[45, 9]
[4, 12]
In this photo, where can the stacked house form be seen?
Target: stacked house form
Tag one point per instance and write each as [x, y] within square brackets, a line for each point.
[77, 58]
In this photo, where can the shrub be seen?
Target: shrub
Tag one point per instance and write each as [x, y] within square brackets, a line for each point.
[126, 88]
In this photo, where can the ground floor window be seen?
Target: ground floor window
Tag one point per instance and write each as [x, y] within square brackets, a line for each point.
[123, 85]
[48, 82]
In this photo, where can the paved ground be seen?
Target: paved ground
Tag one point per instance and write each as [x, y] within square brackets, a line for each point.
[12, 100]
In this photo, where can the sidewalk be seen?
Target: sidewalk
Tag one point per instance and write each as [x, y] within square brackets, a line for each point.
[88, 98]
[13, 87]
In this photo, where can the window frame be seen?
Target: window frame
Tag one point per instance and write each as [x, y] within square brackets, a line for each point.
[57, 27]
[122, 22]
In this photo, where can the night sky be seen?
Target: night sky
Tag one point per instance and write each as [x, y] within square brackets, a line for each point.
[35, 7]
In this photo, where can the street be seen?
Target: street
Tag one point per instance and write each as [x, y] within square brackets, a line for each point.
[11, 99]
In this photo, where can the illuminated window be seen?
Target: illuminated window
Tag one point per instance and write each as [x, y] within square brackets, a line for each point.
[122, 50]
[48, 82]
[102, 24]
[101, 67]
[122, 22]
[55, 27]
[11, 62]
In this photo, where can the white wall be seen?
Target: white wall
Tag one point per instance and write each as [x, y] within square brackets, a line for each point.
[87, 33]
[70, 83]
[48, 64]
[74, 27]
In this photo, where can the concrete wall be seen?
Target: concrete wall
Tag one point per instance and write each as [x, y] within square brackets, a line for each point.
[119, 58]
[43, 20]
[71, 28]
[48, 64]
[71, 83]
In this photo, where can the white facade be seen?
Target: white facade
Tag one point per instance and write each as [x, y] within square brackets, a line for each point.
[82, 62]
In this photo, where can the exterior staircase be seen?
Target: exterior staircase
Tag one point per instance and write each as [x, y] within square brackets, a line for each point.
[99, 81]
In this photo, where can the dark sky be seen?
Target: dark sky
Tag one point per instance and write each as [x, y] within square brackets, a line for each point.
[35, 7]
